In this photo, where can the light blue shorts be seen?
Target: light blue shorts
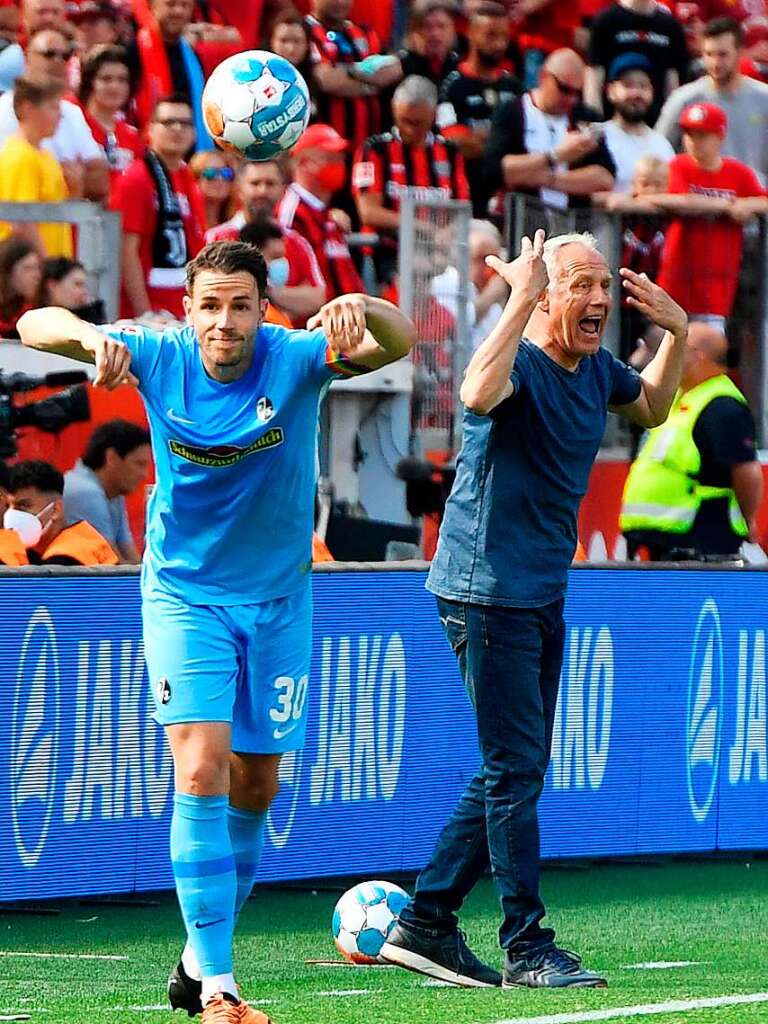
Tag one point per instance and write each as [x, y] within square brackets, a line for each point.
[247, 664]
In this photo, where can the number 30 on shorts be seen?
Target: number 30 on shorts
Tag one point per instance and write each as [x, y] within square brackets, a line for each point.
[291, 697]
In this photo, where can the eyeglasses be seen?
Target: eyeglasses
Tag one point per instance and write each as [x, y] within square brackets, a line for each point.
[565, 89]
[54, 54]
[212, 173]
[175, 122]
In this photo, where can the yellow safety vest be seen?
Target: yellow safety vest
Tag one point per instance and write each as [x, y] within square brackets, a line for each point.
[662, 491]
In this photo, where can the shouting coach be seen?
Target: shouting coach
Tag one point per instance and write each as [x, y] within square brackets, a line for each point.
[536, 393]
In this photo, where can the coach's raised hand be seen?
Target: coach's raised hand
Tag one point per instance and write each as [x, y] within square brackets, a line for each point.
[344, 322]
[654, 303]
[527, 274]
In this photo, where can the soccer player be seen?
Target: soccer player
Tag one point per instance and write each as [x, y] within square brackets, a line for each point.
[536, 392]
[232, 406]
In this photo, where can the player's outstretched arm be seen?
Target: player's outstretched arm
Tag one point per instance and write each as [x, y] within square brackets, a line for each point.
[370, 331]
[486, 381]
[58, 330]
[661, 377]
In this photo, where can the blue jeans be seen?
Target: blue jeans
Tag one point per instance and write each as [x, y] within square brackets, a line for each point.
[510, 661]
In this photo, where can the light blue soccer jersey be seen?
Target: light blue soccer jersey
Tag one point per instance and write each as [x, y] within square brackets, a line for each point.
[230, 518]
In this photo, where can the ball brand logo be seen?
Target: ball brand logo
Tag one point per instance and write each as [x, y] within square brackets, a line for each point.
[282, 813]
[705, 710]
[35, 738]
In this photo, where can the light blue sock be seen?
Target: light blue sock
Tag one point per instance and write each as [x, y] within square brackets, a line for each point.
[246, 831]
[206, 878]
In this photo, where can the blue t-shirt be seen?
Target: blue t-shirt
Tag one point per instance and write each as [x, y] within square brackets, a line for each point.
[509, 529]
[230, 518]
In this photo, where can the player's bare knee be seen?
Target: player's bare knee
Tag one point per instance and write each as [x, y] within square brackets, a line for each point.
[204, 777]
[255, 794]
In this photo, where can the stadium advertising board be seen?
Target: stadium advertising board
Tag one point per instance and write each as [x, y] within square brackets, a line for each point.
[659, 741]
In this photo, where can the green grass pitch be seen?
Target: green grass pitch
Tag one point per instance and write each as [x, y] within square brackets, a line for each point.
[714, 914]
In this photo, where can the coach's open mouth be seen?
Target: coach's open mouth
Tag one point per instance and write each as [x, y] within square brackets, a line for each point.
[591, 324]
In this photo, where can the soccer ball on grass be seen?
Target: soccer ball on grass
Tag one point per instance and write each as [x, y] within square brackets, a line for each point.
[363, 919]
[257, 104]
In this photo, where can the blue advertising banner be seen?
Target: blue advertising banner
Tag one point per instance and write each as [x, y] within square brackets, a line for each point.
[659, 742]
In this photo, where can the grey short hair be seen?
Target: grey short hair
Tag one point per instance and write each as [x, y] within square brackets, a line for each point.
[416, 90]
[553, 245]
[486, 228]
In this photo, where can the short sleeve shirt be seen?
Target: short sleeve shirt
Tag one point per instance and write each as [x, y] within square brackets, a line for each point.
[85, 498]
[230, 518]
[509, 530]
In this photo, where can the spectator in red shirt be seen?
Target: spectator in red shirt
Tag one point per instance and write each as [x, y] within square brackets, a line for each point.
[215, 179]
[349, 71]
[105, 89]
[289, 38]
[319, 172]
[410, 155]
[162, 214]
[541, 27]
[260, 187]
[710, 198]
[754, 61]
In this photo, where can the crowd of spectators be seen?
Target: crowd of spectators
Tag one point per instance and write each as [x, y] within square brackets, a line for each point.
[657, 112]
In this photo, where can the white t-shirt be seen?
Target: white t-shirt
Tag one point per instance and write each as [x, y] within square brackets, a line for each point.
[73, 139]
[627, 148]
[542, 132]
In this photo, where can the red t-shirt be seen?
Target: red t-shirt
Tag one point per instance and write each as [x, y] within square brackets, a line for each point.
[121, 147]
[311, 219]
[136, 198]
[702, 256]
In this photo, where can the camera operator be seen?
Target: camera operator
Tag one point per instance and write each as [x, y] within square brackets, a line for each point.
[51, 414]
[12, 551]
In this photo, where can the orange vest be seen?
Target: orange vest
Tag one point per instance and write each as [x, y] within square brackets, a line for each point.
[320, 552]
[12, 551]
[82, 543]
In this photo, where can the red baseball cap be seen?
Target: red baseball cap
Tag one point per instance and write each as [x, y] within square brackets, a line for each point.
[321, 136]
[704, 117]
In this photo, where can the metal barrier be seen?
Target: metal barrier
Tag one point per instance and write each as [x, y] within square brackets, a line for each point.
[435, 293]
[626, 238]
[97, 241]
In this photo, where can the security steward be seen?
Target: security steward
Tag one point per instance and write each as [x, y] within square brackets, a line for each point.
[12, 550]
[694, 490]
[37, 499]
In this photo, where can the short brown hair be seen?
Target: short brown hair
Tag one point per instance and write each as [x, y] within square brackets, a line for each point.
[34, 89]
[229, 258]
[722, 27]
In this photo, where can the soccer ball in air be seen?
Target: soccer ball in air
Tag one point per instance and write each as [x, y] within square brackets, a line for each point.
[257, 104]
[364, 917]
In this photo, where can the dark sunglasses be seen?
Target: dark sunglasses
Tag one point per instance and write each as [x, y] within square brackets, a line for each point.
[212, 173]
[565, 89]
[54, 54]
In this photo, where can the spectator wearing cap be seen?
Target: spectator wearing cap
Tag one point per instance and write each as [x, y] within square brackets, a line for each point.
[408, 156]
[627, 135]
[710, 197]
[320, 171]
[470, 95]
[259, 187]
[754, 62]
[72, 143]
[97, 23]
[636, 26]
[744, 100]
[547, 143]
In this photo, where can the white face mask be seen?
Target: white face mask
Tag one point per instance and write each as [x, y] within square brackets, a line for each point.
[27, 525]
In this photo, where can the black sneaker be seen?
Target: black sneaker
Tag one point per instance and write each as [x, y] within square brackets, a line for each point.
[550, 968]
[184, 992]
[447, 958]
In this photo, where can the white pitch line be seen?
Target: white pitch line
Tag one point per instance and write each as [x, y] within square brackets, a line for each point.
[60, 956]
[646, 1010]
[350, 992]
[664, 965]
[15, 1016]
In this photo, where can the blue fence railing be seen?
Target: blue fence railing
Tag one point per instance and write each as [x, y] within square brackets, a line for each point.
[659, 745]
